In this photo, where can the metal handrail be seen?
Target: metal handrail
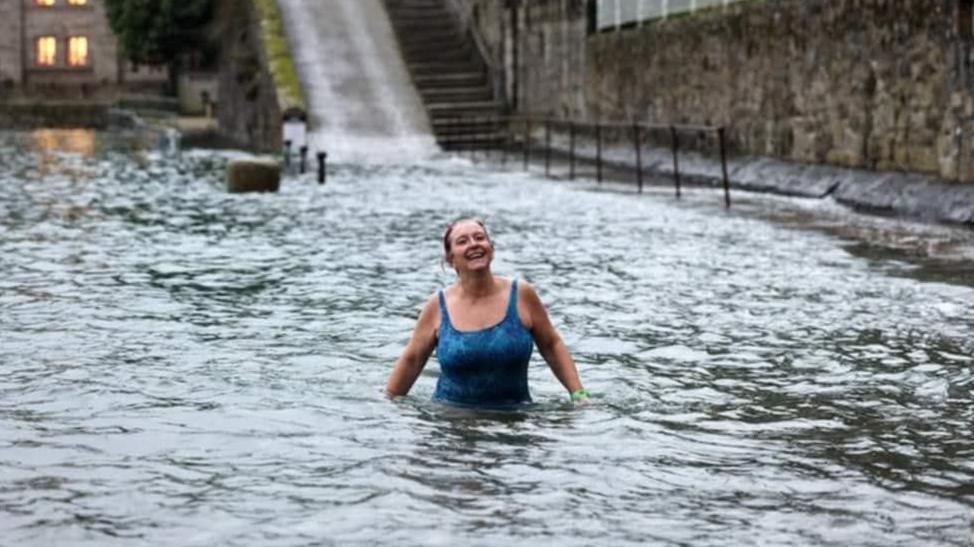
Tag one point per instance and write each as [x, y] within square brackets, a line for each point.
[527, 121]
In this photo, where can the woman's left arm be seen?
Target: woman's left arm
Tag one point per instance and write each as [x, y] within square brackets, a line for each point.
[549, 342]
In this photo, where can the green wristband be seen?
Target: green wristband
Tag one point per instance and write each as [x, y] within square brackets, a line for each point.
[579, 394]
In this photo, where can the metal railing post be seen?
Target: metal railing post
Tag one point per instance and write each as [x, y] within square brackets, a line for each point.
[547, 147]
[639, 156]
[571, 150]
[723, 164]
[508, 139]
[675, 144]
[598, 152]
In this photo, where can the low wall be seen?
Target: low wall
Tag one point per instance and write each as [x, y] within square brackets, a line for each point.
[874, 84]
[87, 115]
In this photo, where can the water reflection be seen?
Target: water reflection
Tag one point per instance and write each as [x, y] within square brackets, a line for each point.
[74, 141]
[61, 152]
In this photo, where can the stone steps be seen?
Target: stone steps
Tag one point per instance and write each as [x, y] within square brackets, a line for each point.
[442, 54]
[462, 108]
[448, 127]
[450, 79]
[473, 70]
[455, 94]
[449, 74]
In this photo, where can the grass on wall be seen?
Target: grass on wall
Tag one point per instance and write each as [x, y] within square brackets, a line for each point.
[279, 59]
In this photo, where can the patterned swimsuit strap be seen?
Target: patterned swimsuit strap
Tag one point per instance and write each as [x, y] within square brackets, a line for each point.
[444, 315]
[512, 301]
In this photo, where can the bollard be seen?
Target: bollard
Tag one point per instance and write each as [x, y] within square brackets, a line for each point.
[304, 159]
[598, 152]
[723, 164]
[639, 157]
[571, 150]
[675, 142]
[527, 143]
[287, 153]
[253, 174]
[322, 156]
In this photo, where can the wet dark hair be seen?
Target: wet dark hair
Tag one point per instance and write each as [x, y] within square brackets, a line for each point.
[449, 230]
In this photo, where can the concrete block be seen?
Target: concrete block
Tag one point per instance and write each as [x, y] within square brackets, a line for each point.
[254, 174]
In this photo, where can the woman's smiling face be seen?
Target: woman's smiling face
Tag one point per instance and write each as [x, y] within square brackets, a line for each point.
[469, 246]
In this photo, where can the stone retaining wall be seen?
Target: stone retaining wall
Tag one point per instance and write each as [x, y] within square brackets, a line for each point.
[256, 80]
[87, 115]
[875, 84]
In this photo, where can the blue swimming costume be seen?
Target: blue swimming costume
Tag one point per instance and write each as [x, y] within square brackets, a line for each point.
[487, 367]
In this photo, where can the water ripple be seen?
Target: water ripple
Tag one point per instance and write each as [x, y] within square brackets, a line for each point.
[181, 364]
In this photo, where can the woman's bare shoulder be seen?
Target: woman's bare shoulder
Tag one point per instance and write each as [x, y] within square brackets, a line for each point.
[429, 316]
[432, 302]
[526, 289]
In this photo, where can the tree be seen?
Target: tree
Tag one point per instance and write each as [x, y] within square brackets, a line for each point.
[160, 31]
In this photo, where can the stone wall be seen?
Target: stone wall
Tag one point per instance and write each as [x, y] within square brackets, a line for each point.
[10, 61]
[257, 82]
[23, 115]
[877, 84]
[248, 110]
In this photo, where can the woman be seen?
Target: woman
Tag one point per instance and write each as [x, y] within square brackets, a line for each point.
[483, 328]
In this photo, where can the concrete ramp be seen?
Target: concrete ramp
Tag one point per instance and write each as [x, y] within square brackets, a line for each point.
[362, 105]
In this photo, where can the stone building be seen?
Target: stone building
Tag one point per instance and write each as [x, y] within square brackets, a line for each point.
[58, 49]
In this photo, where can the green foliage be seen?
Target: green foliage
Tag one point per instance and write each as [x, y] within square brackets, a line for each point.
[158, 31]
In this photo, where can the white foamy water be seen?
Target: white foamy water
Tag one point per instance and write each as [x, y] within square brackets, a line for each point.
[362, 104]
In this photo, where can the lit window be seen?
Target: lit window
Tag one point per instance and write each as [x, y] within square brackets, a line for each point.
[75, 2]
[46, 50]
[44, 2]
[78, 51]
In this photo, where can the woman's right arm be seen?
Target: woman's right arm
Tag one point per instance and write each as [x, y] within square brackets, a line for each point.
[417, 351]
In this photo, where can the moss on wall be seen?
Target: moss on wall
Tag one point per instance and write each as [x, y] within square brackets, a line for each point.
[280, 62]
[258, 81]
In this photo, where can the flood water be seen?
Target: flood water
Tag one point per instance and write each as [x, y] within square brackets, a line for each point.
[181, 366]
